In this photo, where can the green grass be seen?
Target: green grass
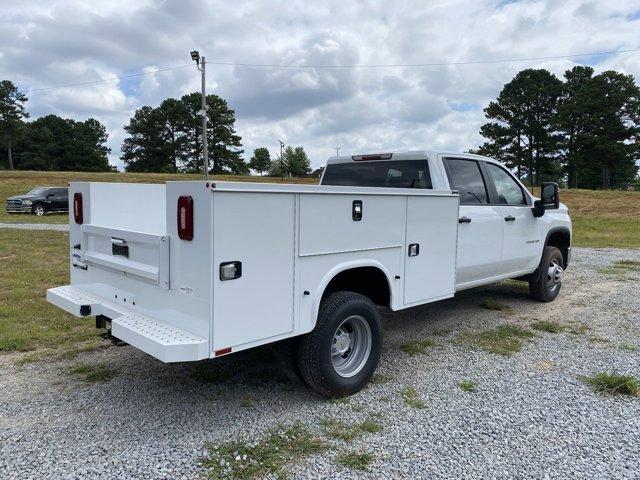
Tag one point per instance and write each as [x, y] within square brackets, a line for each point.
[491, 304]
[614, 383]
[502, 340]
[95, 372]
[602, 232]
[270, 456]
[31, 262]
[629, 348]
[548, 326]
[18, 182]
[417, 347]
[356, 460]
[347, 432]
[620, 269]
[411, 398]
[381, 379]
[468, 386]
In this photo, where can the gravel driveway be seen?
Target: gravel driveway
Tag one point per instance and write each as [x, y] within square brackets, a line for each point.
[530, 416]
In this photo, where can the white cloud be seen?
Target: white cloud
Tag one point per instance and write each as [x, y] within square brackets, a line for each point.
[55, 42]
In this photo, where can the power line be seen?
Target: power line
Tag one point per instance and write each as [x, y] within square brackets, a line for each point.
[328, 66]
[111, 79]
[433, 64]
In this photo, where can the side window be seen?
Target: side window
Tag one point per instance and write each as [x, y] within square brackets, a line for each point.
[465, 176]
[509, 192]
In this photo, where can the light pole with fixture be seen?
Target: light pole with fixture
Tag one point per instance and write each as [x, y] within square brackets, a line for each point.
[200, 63]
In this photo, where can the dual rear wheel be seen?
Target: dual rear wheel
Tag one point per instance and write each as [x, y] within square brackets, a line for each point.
[340, 355]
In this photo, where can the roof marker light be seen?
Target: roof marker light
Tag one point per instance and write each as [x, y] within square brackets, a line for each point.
[368, 158]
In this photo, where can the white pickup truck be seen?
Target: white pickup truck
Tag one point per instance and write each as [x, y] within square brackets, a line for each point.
[195, 270]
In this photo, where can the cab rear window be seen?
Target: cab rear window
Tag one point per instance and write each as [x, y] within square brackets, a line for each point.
[390, 174]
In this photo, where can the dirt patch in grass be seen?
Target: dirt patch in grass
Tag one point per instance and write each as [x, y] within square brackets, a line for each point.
[418, 346]
[614, 383]
[357, 460]
[503, 340]
[269, 456]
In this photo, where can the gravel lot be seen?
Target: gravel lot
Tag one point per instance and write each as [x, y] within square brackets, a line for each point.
[531, 416]
[36, 226]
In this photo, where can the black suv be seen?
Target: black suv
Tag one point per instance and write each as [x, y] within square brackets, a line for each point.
[39, 201]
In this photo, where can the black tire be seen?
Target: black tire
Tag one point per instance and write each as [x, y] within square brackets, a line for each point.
[543, 285]
[315, 360]
[38, 209]
[290, 364]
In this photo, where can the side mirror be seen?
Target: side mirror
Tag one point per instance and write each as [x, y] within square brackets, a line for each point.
[550, 195]
[538, 208]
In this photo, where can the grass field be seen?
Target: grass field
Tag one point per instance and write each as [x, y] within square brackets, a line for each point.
[31, 262]
[600, 218]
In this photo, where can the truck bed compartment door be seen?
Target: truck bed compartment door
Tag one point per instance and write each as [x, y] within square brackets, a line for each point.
[430, 251]
[138, 255]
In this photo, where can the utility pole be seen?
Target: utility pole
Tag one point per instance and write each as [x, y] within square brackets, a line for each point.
[195, 56]
[338, 150]
[281, 147]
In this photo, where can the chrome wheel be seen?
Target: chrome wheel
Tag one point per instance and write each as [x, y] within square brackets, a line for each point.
[555, 274]
[351, 346]
[38, 210]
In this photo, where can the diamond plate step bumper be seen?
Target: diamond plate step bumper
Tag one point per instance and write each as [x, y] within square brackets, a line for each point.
[159, 339]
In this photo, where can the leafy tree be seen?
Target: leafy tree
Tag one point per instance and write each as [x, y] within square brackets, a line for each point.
[12, 111]
[600, 116]
[169, 137]
[223, 142]
[521, 131]
[294, 162]
[261, 160]
[55, 143]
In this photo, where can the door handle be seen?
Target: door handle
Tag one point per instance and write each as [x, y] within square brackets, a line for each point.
[510, 218]
[464, 220]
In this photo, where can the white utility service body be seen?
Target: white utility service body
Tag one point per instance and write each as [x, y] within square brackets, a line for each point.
[167, 299]
[194, 270]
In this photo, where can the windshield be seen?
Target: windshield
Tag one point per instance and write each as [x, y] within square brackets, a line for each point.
[391, 174]
[37, 191]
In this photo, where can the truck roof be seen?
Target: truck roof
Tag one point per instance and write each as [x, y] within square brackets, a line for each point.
[403, 155]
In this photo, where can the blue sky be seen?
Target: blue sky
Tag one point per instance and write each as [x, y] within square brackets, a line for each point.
[54, 42]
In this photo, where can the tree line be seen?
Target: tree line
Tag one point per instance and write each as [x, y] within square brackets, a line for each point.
[166, 138]
[50, 142]
[583, 131]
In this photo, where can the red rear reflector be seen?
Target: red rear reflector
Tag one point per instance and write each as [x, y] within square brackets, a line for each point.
[222, 351]
[367, 158]
[77, 208]
[185, 218]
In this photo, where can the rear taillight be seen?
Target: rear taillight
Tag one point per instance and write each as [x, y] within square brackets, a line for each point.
[77, 208]
[185, 218]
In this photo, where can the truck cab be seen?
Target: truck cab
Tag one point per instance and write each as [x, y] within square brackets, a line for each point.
[503, 228]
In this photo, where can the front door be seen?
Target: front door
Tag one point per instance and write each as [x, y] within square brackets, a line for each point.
[522, 231]
[481, 225]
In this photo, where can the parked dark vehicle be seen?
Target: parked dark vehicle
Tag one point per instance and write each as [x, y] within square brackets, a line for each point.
[39, 201]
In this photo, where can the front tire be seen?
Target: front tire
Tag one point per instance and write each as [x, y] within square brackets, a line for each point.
[339, 357]
[38, 209]
[546, 281]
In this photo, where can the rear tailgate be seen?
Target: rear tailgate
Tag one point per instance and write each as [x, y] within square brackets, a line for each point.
[128, 264]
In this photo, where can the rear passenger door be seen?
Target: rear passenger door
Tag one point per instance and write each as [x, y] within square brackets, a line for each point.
[480, 229]
[61, 199]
